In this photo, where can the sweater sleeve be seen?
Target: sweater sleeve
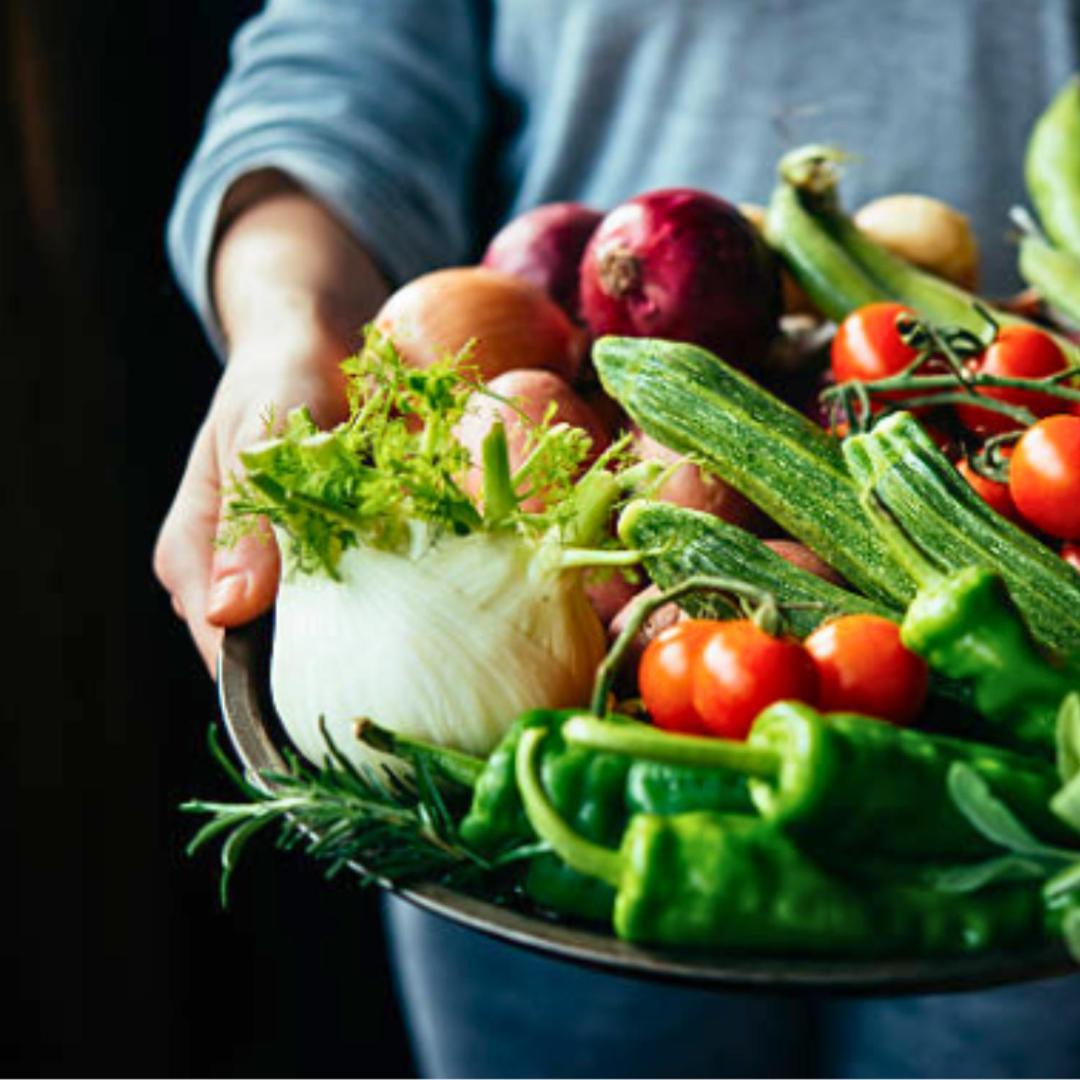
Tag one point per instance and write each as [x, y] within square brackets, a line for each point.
[376, 108]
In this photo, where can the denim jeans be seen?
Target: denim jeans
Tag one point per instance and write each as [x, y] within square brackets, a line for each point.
[478, 1008]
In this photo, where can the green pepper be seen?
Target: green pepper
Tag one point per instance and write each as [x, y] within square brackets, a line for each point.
[844, 784]
[967, 627]
[595, 791]
[733, 881]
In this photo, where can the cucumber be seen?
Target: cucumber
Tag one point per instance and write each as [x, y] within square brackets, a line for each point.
[929, 502]
[687, 543]
[691, 401]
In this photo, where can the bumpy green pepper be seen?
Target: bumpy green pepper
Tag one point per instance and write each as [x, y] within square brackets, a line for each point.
[967, 627]
[596, 791]
[841, 783]
[738, 882]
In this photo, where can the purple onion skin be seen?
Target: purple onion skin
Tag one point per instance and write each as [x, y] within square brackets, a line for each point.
[544, 247]
[683, 265]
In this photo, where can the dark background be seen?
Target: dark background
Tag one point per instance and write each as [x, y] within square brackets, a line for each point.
[116, 958]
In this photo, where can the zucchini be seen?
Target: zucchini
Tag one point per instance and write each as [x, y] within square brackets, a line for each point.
[685, 543]
[905, 477]
[691, 401]
[1052, 167]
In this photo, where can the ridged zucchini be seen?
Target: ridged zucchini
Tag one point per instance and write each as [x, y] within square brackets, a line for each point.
[691, 401]
[687, 543]
[898, 466]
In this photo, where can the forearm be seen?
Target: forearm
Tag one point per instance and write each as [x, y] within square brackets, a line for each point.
[285, 267]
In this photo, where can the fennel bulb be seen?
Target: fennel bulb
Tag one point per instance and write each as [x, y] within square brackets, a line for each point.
[449, 645]
[403, 599]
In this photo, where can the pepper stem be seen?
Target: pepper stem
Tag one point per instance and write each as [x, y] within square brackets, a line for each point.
[455, 765]
[579, 854]
[652, 744]
[767, 615]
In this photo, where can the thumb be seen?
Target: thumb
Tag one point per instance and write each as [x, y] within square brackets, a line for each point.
[243, 579]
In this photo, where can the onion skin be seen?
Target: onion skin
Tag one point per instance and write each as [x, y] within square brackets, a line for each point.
[513, 323]
[532, 392]
[688, 486]
[544, 247]
[683, 265]
[926, 232]
[610, 597]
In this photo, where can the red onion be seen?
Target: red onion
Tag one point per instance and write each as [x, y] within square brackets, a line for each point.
[683, 265]
[544, 247]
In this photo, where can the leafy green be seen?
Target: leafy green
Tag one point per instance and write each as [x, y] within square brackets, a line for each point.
[1068, 738]
[389, 831]
[392, 475]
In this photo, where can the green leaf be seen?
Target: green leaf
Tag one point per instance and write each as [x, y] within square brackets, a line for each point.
[1071, 929]
[993, 819]
[971, 877]
[1066, 803]
[1068, 739]
[1063, 883]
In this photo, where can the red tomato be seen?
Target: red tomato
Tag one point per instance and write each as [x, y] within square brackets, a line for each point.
[867, 345]
[864, 668]
[1044, 476]
[666, 674]
[742, 670]
[1019, 352]
[995, 495]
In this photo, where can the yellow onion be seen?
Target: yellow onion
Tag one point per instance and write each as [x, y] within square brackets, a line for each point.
[513, 324]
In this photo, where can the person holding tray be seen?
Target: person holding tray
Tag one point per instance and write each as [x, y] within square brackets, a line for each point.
[355, 144]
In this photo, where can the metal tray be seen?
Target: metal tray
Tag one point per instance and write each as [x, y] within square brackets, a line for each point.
[253, 728]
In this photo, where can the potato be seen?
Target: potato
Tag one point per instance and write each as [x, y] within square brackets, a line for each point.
[532, 391]
[690, 487]
[926, 232]
[801, 556]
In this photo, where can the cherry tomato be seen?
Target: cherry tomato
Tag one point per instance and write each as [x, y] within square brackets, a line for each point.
[864, 668]
[1044, 476]
[666, 672]
[1018, 352]
[995, 495]
[1071, 554]
[742, 670]
[867, 345]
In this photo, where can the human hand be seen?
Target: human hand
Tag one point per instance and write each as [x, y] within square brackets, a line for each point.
[293, 288]
[214, 587]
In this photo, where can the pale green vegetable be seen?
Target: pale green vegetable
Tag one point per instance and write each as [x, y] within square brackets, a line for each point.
[405, 600]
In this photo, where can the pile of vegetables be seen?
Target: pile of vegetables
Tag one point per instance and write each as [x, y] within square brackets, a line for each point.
[836, 710]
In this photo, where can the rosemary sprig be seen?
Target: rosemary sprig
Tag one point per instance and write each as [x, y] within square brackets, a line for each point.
[389, 831]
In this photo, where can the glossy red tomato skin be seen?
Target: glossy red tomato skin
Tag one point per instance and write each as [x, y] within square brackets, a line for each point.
[666, 673]
[742, 670]
[863, 667]
[1019, 352]
[1044, 476]
[867, 345]
[995, 495]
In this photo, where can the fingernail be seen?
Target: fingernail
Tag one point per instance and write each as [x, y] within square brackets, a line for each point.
[225, 594]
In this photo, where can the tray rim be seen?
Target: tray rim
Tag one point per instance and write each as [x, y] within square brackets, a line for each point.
[241, 692]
